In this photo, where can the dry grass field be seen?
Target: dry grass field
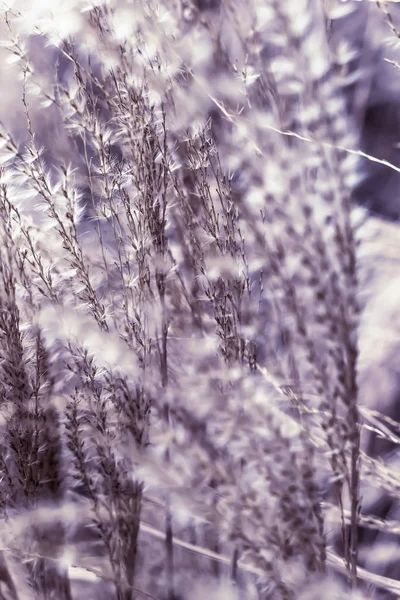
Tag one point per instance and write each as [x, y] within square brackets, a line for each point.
[199, 300]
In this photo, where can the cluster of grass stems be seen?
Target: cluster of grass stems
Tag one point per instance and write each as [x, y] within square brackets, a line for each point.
[179, 309]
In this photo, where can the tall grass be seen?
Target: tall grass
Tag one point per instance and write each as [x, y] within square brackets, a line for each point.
[180, 307]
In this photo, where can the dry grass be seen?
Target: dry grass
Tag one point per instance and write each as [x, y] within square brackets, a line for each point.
[180, 308]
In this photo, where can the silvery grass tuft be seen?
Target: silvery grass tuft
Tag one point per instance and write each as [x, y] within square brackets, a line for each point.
[180, 306]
